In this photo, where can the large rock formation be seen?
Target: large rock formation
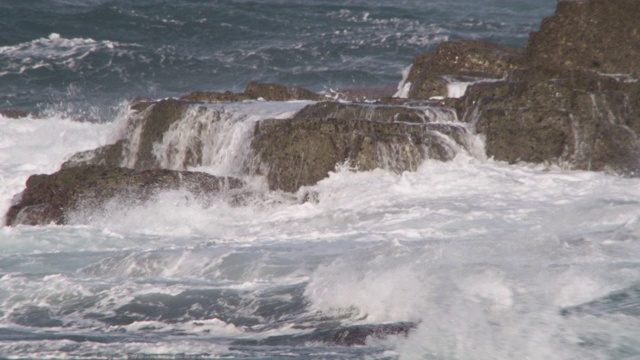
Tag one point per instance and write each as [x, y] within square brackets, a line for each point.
[572, 97]
[52, 198]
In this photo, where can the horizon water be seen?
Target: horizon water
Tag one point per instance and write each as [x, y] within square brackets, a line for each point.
[485, 260]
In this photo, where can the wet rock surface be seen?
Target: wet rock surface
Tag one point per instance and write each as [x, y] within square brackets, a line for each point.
[299, 152]
[570, 98]
[51, 198]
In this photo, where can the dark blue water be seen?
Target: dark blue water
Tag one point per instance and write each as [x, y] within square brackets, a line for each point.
[75, 55]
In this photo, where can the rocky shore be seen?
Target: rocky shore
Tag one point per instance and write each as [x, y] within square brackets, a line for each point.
[570, 98]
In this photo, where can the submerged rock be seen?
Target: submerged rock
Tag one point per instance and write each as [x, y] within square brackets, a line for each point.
[52, 198]
[356, 335]
[13, 113]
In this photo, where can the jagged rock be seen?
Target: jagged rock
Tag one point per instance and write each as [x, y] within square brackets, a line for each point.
[598, 35]
[462, 60]
[298, 152]
[342, 111]
[51, 198]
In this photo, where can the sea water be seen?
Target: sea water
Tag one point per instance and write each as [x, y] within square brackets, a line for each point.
[481, 259]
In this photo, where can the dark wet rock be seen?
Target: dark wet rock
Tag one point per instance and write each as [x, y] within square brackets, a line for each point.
[462, 60]
[346, 111]
[13, 113]
[51, 198]
[356, 335]
[276, 92]
[299, 152]
[579, 119]
[598, 35]
[573, 98]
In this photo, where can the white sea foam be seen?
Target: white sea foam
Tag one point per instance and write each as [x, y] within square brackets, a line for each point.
[54, 50]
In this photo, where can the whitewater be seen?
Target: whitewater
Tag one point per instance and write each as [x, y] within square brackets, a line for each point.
[478, 259]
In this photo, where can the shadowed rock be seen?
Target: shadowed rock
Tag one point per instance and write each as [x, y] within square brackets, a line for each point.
[51, 198]
[298, 152]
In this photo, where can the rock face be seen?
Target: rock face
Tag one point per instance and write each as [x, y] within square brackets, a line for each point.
[298, 152]
[570, 98]
[598, 35]
[51, 198]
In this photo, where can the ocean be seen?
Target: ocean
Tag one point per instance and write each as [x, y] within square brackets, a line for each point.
[467, 259]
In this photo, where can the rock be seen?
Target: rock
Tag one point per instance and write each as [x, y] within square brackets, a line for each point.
[255, 91]
[136, 150]
[210, 96]
[299, 152]
[462, 60]
[598, 35]
[365, 94]
[13, 113]
[370, 112]
[108, 155]
[275, 92]
[52, 198]
[572, 99]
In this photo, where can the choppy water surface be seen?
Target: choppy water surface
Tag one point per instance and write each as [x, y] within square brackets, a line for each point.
[476, 259]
